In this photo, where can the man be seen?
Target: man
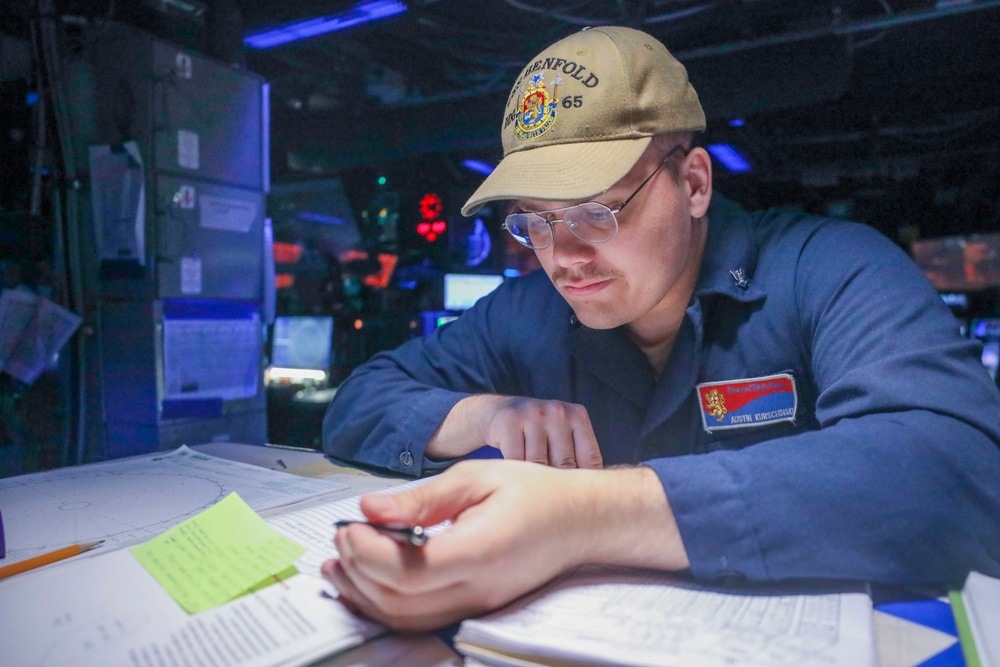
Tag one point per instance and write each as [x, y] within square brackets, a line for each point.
[775, 396]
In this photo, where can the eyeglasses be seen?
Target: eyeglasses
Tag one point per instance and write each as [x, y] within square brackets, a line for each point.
[590, 221]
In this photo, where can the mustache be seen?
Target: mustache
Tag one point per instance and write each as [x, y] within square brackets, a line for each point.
[584, 275]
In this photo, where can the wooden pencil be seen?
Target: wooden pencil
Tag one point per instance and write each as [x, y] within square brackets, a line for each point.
[45, 559]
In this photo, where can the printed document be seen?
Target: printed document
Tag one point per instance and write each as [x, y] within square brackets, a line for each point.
[615, 616]
[110, 611]
[312, 526]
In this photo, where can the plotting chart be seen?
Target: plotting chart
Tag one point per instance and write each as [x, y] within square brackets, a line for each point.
[95, 507]
[129, 501]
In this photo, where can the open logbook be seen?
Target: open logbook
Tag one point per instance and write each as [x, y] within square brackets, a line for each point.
[614, 616]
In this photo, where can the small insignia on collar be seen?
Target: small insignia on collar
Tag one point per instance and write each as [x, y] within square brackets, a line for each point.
[740, 276]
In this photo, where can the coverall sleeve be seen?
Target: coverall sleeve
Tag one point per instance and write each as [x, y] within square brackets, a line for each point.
[901, 482]
[384, 414]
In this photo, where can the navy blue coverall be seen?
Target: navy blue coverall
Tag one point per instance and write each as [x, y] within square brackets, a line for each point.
[888, 470]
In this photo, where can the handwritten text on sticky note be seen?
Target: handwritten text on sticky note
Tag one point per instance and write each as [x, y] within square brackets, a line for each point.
[218, 555]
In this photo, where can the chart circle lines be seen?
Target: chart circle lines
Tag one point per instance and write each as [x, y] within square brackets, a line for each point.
[39, 514]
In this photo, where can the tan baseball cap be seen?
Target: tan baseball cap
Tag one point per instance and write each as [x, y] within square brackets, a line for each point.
[582, 112]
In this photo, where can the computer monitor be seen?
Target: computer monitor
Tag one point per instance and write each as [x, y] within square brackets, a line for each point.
[302, 342]
[462, 290]
[960, 263]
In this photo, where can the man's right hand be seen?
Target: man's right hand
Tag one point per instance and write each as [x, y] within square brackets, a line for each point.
[553, 433]
[514, 527]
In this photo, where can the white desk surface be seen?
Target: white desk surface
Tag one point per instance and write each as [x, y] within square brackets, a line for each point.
[275, 457]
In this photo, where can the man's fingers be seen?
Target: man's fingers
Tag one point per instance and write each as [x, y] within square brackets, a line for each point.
[445, 560]
[388, 563]
[588, 452]
[536, 443]
[438, 500]
[399, 611]
[548, 432]
[510, 439]
[562, 452]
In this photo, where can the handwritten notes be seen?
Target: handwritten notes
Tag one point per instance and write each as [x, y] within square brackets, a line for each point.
[218, 555]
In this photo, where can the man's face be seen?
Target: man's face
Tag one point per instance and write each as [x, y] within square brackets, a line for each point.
[648, 270]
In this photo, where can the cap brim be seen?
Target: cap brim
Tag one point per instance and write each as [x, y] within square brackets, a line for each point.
[560, 172]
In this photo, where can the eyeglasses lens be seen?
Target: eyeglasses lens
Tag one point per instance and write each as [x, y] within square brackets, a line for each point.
[524, 227]
[590, 222]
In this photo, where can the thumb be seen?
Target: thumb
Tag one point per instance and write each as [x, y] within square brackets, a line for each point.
[440, 499]
[383, 508]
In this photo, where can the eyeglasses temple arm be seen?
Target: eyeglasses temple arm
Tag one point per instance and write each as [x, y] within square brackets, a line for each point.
[650, 177]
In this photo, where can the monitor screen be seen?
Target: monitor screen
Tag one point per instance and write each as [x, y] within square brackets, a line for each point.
[302, 342]
[462, 290]
[960, 263]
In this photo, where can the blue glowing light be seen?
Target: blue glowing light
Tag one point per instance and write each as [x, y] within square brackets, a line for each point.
[363, 12]
[31, 98]
[478, 166]
[730, 157]
[511, 273]
[309, 216]
[479, 244]
[737, 122]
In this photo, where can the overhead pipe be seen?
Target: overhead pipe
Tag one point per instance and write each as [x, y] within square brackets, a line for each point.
[866, 25]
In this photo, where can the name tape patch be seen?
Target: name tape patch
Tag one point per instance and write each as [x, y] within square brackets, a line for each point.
[750, 402]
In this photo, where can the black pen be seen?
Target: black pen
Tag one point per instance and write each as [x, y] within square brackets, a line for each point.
[413, 535]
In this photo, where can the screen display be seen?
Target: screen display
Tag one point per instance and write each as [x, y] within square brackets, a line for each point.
[960, 263]
[302, 342]
[462, 290]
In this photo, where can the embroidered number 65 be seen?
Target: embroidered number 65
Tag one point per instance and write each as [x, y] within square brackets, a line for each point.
[575, 101]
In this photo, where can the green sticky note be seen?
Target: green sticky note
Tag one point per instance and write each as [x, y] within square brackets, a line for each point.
[218, 555]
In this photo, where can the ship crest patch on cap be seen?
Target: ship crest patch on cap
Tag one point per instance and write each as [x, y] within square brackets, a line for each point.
[538, 108]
